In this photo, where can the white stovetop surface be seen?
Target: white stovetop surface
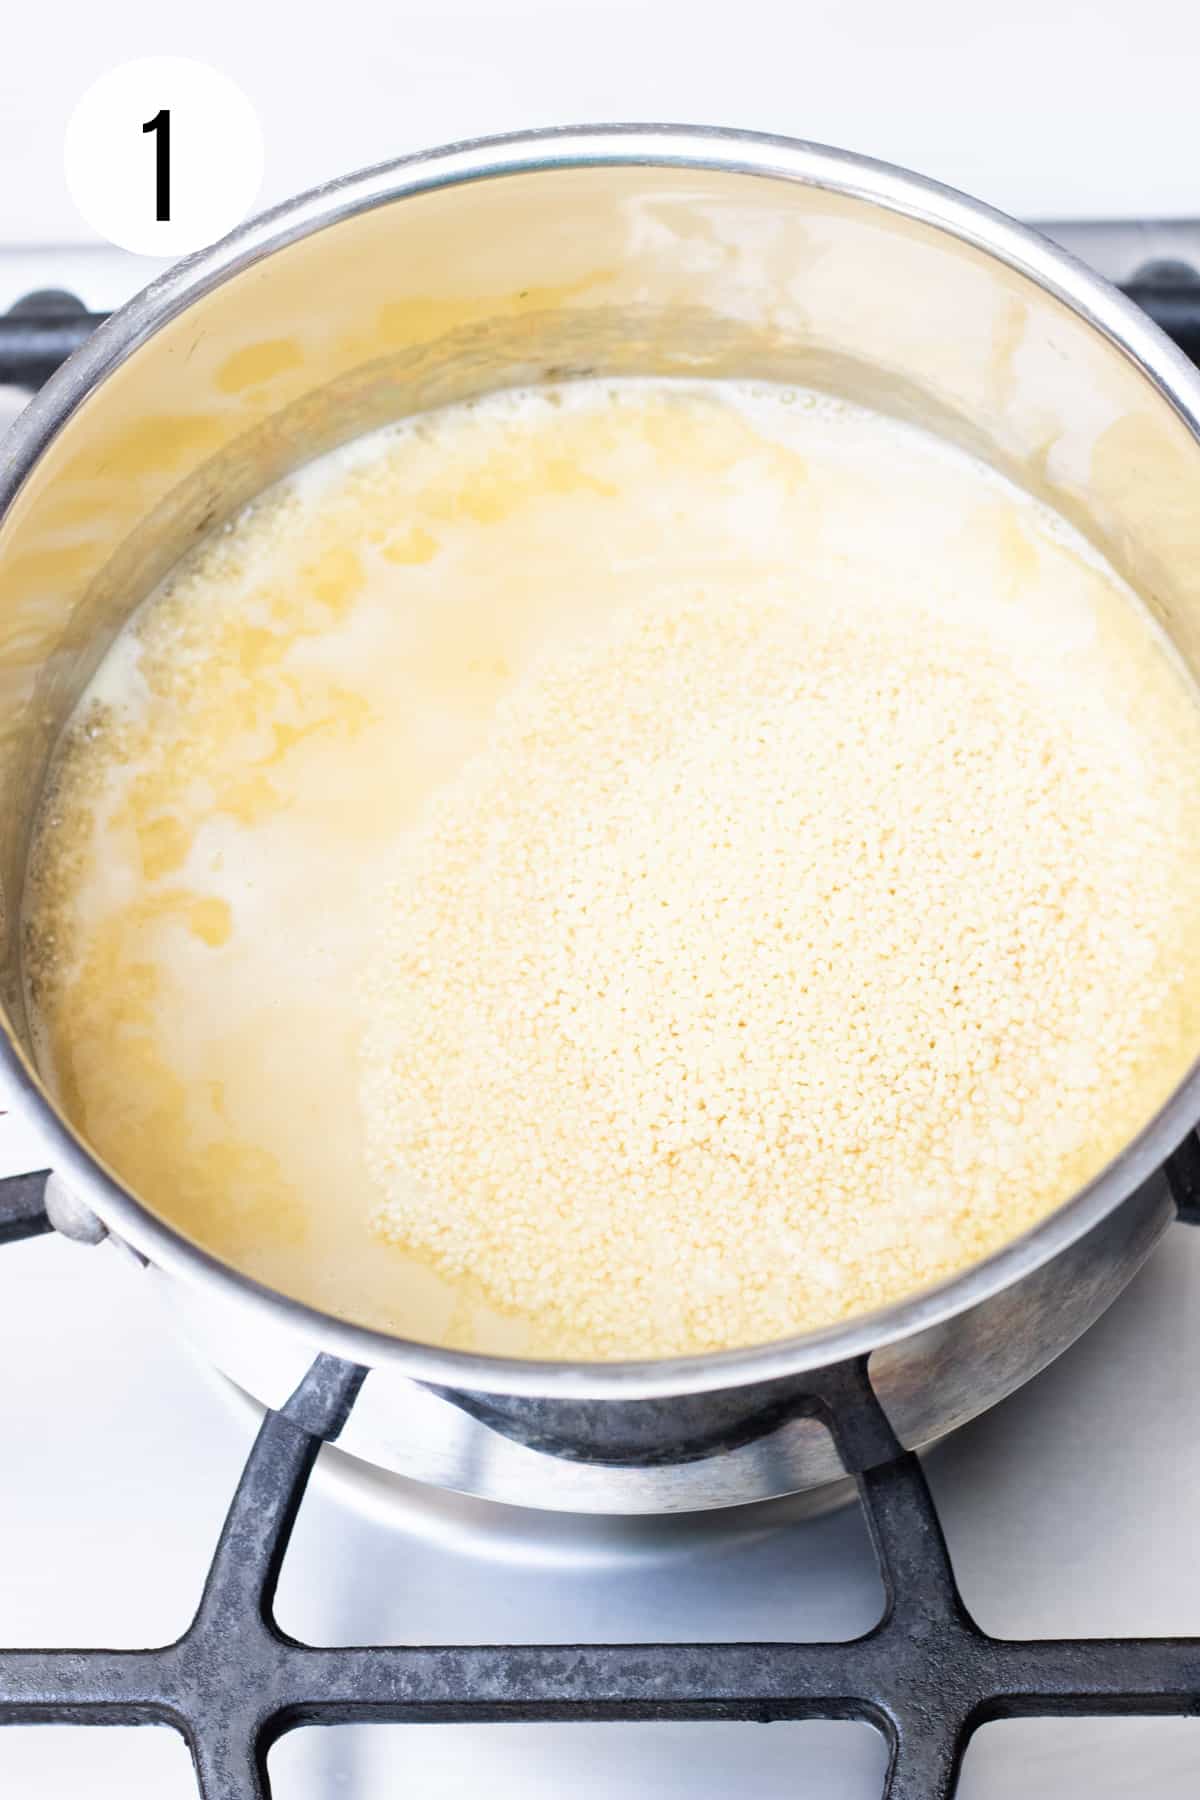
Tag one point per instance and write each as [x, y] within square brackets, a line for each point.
[1048, 108]
[1069, 1509]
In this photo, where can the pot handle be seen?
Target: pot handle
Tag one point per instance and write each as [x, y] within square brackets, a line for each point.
[23, 1206]
[39, 334]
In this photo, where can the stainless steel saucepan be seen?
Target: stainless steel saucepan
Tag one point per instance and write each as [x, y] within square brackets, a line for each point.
[624, 250]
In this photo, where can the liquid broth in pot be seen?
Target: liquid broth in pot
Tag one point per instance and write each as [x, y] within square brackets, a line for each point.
[623, 869]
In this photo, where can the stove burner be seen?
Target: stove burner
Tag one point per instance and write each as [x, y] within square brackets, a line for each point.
[925, 1675]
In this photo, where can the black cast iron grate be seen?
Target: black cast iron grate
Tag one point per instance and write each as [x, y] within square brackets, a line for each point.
[925, 1675]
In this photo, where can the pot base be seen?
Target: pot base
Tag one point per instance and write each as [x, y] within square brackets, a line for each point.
[540, 1535]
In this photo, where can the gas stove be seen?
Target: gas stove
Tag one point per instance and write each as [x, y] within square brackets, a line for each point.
[613, 1656]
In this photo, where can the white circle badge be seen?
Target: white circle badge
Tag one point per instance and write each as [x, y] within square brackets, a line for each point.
[164, 155]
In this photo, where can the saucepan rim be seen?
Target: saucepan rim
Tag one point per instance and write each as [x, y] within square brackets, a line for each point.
[708, 148]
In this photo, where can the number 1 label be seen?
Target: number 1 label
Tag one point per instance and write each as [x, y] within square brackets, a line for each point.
[194, 179]
[160, 125]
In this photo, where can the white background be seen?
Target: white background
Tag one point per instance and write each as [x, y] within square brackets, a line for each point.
[1044, 107]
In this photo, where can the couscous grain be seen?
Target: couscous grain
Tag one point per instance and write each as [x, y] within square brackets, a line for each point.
[774, 960]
